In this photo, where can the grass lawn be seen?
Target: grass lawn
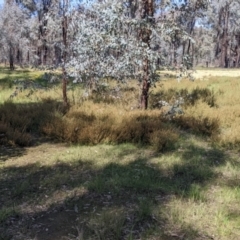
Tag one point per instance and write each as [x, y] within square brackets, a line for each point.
[181, 183]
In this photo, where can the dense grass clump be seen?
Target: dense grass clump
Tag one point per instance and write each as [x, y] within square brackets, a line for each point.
[88, 124]
[211, 106]
[113, 126]
[21, 123]
[202, 125]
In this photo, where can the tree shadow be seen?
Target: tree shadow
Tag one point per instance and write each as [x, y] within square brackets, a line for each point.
[115, 201]
[6, 70]
[7, 152]
[23, 81]
[13, 75]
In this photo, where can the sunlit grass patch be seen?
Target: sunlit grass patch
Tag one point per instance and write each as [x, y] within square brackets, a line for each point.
[208, 218]
[24, 86]
[8, 77]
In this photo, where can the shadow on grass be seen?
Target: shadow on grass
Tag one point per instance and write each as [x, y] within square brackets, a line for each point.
[23, 80]
[13, 75]
[116, 201]
[7, 152]
[6, 70]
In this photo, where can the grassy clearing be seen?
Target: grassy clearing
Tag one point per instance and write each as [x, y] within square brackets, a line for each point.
[122, 173]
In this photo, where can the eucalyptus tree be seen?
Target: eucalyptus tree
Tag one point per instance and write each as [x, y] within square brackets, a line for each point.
[234, 34]
[190, 13]
[13, 32]
[35, 28]
[185, 15]
[116, 39]
[60, 35]
[39, 10]
[204, 46]
[224, 19]
[119, 39]
[40, 36]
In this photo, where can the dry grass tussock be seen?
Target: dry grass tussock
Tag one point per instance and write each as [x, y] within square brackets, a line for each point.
[100, 124]
[21, 123]
[91, 123]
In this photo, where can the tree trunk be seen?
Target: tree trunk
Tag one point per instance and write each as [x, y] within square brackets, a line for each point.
[39, 54]
[224, 45]
[145, 89]
[193, 54]
[45, 54]
[146, 11]
[28, 57]
[190, 44]
[64, 57]
[19, 57]
[64, 86]
[237, 59]
[183, 49]
[133, 8]
[237, 51]
[11, 58]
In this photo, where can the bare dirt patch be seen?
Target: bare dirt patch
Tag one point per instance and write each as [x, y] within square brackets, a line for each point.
[217, 73]
[203, 74]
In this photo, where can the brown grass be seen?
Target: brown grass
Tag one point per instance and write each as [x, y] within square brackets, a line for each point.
[111, 125]
[21, 123]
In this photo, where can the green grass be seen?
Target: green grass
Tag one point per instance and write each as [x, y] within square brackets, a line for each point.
[141, 186]
[11, 81]
[123, 191]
